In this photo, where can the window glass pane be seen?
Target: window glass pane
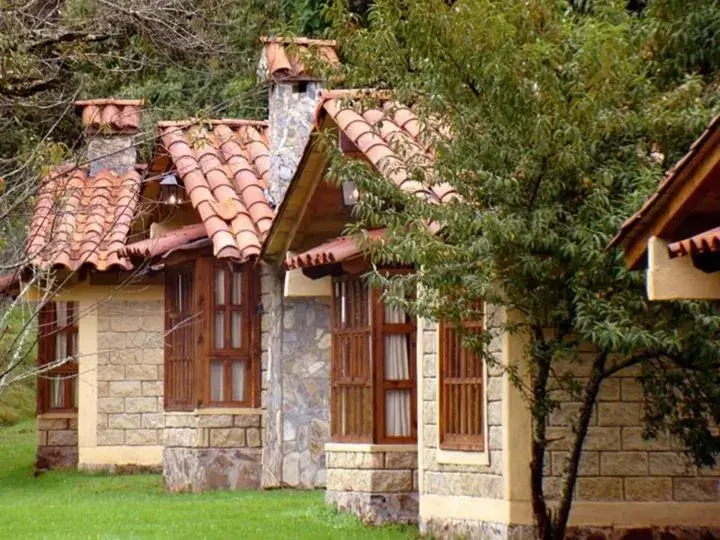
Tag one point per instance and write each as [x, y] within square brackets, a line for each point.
[238, 381]
[219, 286]
[236, 330]
[75, 397]
[397, 413]
[61, 314]
[217, 380]
[57, 392]
[394, 315]
[219, 330]
[397, 357]
[237, 287]
[73, 344]
[61, 338]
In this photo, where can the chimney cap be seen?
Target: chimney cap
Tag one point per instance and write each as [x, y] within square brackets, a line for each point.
[110, 116]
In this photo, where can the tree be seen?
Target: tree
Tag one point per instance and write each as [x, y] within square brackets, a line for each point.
[560, 123]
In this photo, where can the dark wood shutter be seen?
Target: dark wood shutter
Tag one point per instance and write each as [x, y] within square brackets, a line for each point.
[180, 322]
[351, 374]
[462, 396]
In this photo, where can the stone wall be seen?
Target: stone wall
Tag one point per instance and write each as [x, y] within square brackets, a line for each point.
[57, 440]
[210, 449]
[378, 483]
[451, 479]
[130, 373]
[291, 116]
[296, 347]
[617, 464]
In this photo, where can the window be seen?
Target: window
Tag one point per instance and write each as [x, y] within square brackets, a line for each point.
[373, 367]
[462, 398]
[58, 353]
[230, 358]
[212, 349]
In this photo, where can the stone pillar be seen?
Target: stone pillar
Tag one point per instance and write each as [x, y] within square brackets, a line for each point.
[291, 117]
[378, 483]
[212, 449]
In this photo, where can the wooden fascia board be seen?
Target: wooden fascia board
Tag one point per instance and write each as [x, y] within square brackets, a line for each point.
[310, 171]
[675, 204]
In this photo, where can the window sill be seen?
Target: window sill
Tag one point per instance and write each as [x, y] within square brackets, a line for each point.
[57, 415]
[459, 457]
[219, 410]
[368, 447]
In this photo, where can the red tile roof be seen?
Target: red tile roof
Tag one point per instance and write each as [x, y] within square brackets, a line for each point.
[333, 251]
[706, 242]
[669, 184]
[224, 167]
[110, 115]
[165, 243]
[80, 219]
[389, 135]
[290, 58]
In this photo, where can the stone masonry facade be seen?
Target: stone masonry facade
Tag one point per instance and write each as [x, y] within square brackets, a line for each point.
[57, 440]
[617, 463]
[211, 450]
[450, 479]
[378, 485]
[130, 373]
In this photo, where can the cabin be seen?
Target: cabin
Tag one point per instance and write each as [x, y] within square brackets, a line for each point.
[218, 328]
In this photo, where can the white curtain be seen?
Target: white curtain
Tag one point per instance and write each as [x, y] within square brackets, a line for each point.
[61, 320]
[217, 383]
[238, 381]
[57, 393]
[397, 368]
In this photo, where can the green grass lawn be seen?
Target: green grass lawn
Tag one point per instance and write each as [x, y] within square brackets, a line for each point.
[81, 505]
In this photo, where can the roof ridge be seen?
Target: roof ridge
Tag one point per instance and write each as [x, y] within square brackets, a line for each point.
[212, 121]
[341, 93]
[110, 101]
[298, 40]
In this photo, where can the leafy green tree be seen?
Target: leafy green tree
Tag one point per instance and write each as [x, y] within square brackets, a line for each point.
[561, 119]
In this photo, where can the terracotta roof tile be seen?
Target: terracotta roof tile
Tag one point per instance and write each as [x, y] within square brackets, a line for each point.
[110, 115]
[333, 251]
[164, 243]
[627, 231]
[83, 220]
[389, 135]
[288, 58]
[224, 167]
[706, 242]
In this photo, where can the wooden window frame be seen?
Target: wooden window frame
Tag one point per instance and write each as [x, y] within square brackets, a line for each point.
[248, 341]
[203, 338]
[473, 389]
[47, 334]
[373, 371]
[179, 380]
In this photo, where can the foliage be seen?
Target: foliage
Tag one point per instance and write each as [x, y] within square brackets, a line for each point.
[83, 505]
[561, 121]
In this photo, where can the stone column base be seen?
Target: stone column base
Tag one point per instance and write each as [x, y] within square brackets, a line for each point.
[57, 441]
[376, 508]
[459, 528]
[202, 469]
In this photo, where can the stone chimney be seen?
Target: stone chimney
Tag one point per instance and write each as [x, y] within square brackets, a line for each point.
[290, 65]
[111, 126]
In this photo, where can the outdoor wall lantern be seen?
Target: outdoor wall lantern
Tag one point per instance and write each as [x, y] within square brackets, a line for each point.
[171, 191]
[350, 193]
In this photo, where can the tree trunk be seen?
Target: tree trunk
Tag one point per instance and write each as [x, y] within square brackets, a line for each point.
[541, 359]
[560, 520]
